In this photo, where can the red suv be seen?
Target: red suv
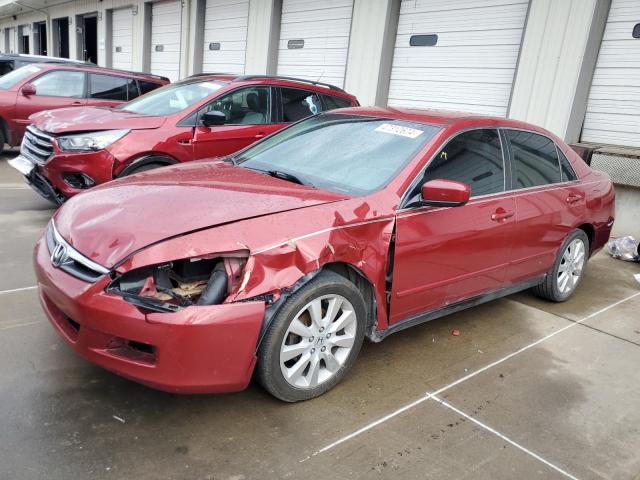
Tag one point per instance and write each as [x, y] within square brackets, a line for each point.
[43, 86]
[282, 258]
[208, 115]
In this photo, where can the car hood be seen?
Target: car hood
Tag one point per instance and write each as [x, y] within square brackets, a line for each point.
[110, 222]
[84, 119]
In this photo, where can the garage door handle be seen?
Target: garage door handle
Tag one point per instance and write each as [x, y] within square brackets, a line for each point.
[501, 214]
[573, 198]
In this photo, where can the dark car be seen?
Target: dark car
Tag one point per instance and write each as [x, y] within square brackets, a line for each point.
[45, 86]
[68, 151]
[11, 61]
[280, 259]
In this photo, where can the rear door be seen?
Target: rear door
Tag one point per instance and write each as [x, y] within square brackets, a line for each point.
[444, 255]
[249, 115]
[54, 89]
[549, 202]
[110, 90]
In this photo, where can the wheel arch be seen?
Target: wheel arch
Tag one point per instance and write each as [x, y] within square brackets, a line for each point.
[4, 127]
[146, 159]
[590, 231]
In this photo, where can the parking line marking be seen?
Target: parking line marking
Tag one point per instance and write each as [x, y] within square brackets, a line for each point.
[14, 290]
[25, 324]
[503, 437]
[427, 396]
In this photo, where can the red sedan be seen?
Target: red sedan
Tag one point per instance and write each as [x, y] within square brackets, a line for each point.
[283, 258]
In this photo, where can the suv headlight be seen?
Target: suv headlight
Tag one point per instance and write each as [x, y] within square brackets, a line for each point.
[89, 142]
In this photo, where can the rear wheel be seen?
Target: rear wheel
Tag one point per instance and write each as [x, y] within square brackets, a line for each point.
[313, 339]
[566, 273]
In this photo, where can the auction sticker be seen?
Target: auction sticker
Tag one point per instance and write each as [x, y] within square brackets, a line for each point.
[399, 130]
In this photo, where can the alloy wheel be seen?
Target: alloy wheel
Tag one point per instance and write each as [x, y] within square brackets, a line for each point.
[571, 266]
[318, 341]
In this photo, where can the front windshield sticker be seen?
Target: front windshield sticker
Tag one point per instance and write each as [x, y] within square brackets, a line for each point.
[399, 130]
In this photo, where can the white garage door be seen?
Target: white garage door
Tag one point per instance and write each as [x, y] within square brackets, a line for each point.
[314, 39]
[225, 36]
[122, 39]
[166, 23]
[472, 63]
[613, 107]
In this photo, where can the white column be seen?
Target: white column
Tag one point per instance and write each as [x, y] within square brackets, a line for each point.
[557, 60]
[373, 32]
[262, 36]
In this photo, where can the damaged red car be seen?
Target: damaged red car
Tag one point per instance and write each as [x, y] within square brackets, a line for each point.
[280, 260]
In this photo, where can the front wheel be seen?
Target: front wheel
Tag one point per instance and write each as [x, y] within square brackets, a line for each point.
[567, 271]
[313, 339]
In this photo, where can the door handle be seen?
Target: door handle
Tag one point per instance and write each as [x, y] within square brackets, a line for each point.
[501, 214]
[259, 135]
[573, 198]
[76, 103]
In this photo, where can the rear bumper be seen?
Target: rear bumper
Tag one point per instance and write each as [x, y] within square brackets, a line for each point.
[200, 349]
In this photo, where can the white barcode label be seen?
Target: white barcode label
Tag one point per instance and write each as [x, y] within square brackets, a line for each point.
[399, 130]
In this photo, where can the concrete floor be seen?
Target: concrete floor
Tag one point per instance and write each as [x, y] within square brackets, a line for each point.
[530, 390]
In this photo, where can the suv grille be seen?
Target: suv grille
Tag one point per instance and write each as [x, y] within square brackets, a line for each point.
[67, 258]
[36, 145]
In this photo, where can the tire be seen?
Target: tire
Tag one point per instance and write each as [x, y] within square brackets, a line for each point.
[322, 349]
[2, 141]
[556, 287]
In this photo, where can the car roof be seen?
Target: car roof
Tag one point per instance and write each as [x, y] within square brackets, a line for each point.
[437, 117]
[314, 85]
[95, 68]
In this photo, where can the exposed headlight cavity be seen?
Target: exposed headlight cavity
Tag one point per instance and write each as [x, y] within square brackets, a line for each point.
[173, 285]
[89, 142]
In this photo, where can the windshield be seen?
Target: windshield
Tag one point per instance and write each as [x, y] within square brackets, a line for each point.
[341, 153]
[10, 79]
[171, 98]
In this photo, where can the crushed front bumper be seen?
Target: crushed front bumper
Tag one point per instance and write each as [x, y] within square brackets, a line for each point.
[200, 349]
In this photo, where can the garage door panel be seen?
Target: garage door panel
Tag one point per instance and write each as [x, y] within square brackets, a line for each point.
[166, 26]
[613, 104]
[324, 27]
[226, 24]
[122, 39]
[457, 39]
[463, 20]
[478, 41]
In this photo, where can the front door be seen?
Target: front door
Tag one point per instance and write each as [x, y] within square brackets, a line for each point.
[445, 255]
[249, 116]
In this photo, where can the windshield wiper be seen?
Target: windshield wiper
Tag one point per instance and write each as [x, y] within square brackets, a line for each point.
[286, 176]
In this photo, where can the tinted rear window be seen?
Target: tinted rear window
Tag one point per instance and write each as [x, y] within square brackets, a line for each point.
[146, 87]
[331, 102]
[108, 87]
[535, 159]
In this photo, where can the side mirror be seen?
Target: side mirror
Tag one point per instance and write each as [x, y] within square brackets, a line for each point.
[28, 89]
[213, 117]
[445, 193]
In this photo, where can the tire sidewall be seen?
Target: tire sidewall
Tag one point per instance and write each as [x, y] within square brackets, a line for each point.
[585, 240]
[270, 374]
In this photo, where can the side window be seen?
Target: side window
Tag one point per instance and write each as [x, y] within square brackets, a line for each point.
[568, 175]
[146, 87]
[61, 83]
[5, 67]
[108, 87]
[473, 157]
[330, 102]
[535, 159]
[247, 106]
[298, 104]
